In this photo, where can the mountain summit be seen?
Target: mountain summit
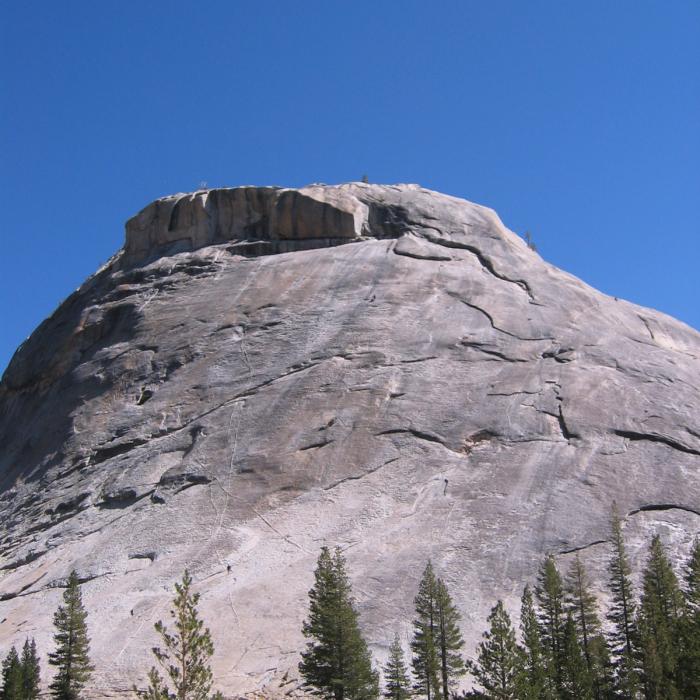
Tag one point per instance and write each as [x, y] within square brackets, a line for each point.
[262, 371]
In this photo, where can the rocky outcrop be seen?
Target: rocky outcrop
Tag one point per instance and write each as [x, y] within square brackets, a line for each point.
[237, 387]
[258, 220]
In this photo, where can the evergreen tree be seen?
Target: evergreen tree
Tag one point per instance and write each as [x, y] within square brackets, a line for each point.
[498, 667]
[449, 639]
[426, 657]
[336, 664]
[582, 606]
[72, 655]
[532, 683]
[603, 678]
[11, 677]
[575, 683]
[549, 592]
[621, 615]
[186, 652]
[661, 612]
[689, 663]
[396, 683]
[30, 671]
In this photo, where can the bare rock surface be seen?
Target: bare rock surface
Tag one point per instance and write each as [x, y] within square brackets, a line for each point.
[261, 371]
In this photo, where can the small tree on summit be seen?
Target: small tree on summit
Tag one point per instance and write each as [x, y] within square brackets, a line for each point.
[336, 664]
[186, 652]
[72, 655]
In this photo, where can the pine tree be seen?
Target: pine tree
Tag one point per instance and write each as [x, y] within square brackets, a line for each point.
[549, 592]
[621, 615]
[532, 683]
[426, 658]
[498, 667]
[449, 639]
[31, 671]
[396, 683]
[72, 655]
[689, 663]
[186, 652]
[661, 611]
[336, 663]
[582, 606]
[575, 681]
[11, 677]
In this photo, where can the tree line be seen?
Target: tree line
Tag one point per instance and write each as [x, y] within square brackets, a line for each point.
[182, 670]
[21, 674]
[644, 647]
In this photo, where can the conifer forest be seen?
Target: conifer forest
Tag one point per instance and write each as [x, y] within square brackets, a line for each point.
[644, 645]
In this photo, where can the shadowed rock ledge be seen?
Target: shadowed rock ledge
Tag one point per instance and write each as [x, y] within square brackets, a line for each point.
[258, 220]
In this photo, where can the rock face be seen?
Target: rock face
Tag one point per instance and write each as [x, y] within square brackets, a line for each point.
[261, 371]
[262, 220]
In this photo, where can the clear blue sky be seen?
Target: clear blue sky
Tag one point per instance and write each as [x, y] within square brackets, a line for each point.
[579, 121]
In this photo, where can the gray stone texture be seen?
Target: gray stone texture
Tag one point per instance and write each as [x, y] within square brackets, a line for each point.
[261, 371]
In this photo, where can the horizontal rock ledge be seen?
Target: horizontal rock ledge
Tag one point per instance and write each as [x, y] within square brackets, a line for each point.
[314, 216]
